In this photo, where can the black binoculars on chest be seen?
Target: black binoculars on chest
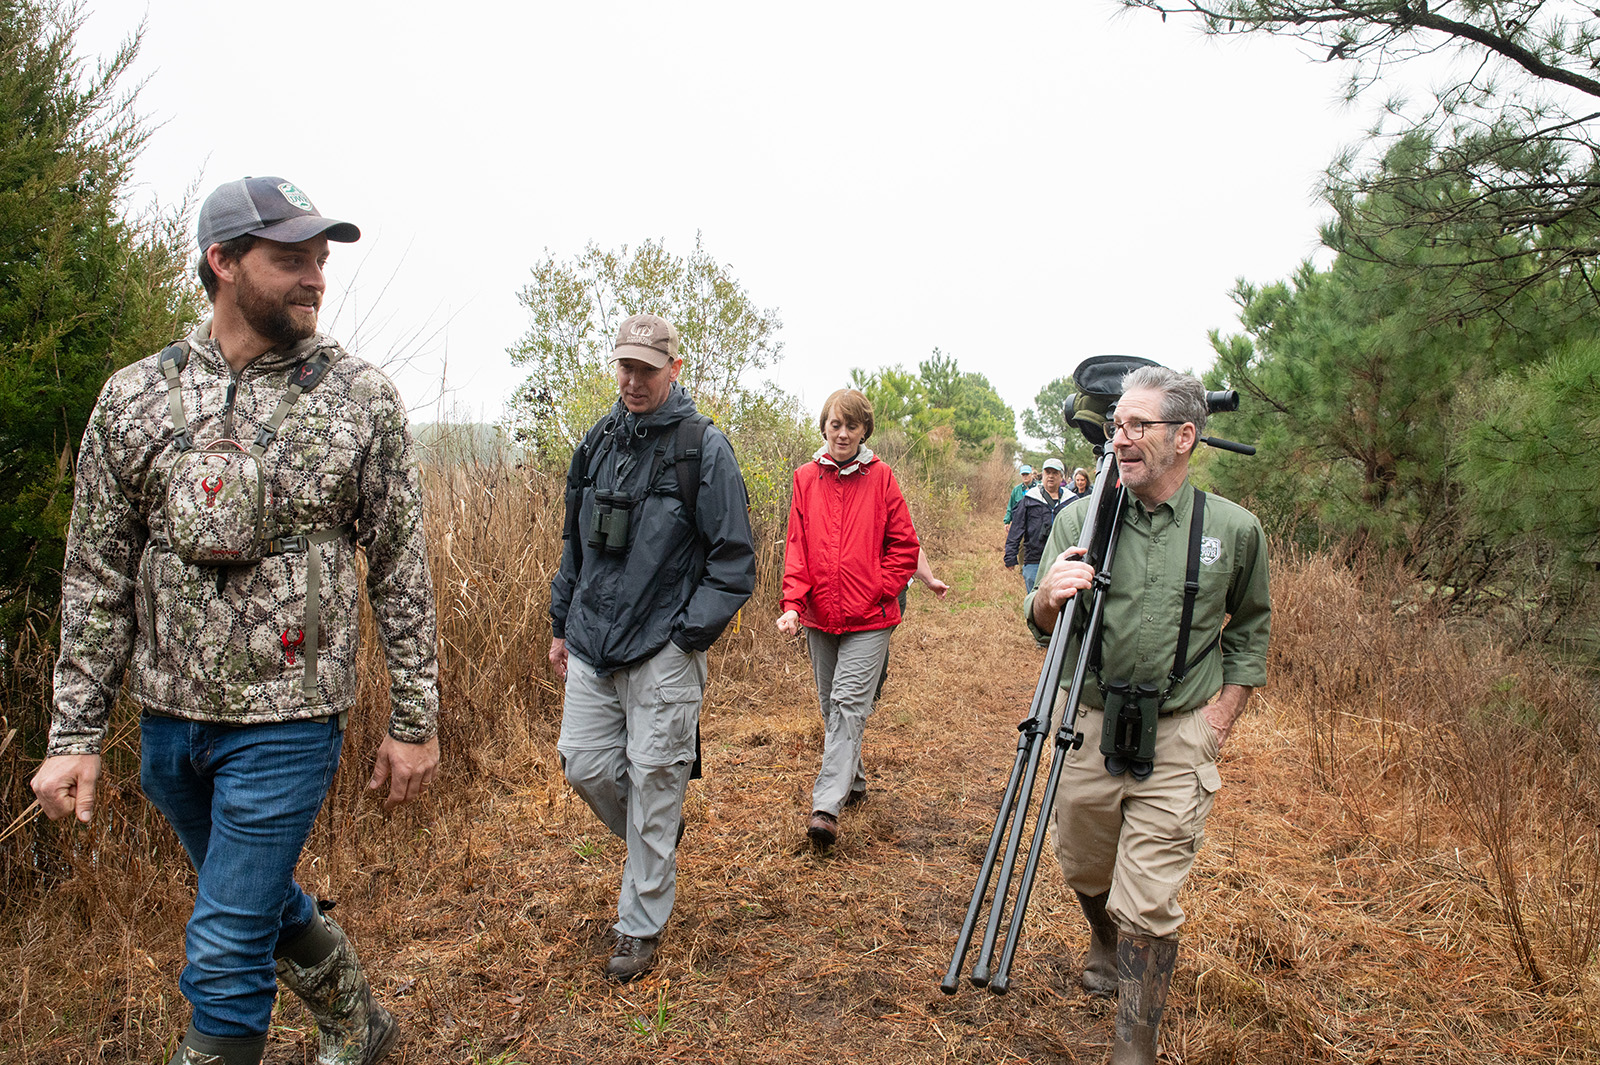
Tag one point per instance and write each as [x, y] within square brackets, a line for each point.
[608, 522]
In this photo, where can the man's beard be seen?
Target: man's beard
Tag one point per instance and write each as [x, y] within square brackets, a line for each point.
[270, 317]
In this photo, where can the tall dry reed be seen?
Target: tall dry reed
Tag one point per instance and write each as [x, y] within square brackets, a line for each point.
[1467, 742]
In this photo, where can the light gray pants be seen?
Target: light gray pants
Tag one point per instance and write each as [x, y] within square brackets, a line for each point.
[627, 744]
[846, 667]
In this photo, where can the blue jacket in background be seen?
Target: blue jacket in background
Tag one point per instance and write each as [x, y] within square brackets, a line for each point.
[1031, 524]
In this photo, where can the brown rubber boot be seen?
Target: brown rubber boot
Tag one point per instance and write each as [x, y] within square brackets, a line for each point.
[1144, 972]
[321, 967]
[198, 1048]
[1100, 968]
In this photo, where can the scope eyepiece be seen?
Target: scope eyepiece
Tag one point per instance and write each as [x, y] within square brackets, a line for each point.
[1222, 402]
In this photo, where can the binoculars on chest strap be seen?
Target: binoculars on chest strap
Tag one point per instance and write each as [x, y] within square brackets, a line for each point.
[1128, 734]
[608, 522]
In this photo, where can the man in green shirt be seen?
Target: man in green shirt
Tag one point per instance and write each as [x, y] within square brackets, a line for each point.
[1018, 491]
[1126, 844]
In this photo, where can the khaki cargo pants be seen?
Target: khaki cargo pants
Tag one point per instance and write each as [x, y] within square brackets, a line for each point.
[1137, 838]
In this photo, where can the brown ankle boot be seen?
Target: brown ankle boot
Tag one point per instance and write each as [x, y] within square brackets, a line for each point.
[1100, 968]
[1144, 972]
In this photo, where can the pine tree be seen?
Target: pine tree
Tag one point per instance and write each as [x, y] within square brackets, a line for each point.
[84, 289]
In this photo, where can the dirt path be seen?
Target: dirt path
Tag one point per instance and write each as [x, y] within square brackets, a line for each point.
[776, 953]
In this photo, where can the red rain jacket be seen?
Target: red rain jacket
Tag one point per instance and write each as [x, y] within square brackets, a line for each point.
[851, 547]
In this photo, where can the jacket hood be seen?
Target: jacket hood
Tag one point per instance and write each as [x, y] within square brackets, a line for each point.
[209, 352]
[678, 406]
[863, 459]
[1037, 492]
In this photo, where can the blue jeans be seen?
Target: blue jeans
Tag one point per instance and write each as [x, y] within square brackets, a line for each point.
[242, 800]
[1030, 575]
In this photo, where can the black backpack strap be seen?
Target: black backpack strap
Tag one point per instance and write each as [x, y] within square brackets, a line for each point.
[302, 379]
[688, 446]
[585, 460]
[173, 358]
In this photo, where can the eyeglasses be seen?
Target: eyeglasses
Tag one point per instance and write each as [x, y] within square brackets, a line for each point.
[1134, 430]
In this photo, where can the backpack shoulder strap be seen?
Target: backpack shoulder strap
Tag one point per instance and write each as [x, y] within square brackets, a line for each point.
[584, 459]
[173, 358]
[688, 445]
[302, 379]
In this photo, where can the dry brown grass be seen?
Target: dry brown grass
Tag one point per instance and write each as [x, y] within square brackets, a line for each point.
[1343, 910]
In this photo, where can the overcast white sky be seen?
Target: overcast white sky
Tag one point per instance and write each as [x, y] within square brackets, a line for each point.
[1020, 184]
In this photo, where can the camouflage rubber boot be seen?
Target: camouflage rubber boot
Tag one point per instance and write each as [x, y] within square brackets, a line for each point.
[321, 967]
[198, 1048]
[1144, 971]
[1100, 968]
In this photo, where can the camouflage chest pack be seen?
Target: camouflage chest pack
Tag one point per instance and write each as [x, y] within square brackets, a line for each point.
[215, 506]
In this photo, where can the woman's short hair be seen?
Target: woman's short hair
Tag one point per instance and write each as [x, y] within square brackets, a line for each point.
[852, 407]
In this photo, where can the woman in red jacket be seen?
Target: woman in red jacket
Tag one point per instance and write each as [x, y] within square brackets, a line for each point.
[851, 549]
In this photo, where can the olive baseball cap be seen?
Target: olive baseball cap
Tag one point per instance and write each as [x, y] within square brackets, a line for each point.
[648, 338]
[266, 207]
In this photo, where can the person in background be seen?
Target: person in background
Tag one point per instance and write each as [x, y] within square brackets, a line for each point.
[850, 550]
[1079, 485]
[1024, 482]
[1031, 523]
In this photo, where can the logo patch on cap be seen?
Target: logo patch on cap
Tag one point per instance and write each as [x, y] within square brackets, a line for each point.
[295, 196]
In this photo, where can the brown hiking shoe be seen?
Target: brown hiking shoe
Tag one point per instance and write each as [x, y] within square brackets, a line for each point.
[633, 957]
[823, 828]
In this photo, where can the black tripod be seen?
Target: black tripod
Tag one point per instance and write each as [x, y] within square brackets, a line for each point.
[1099, 541]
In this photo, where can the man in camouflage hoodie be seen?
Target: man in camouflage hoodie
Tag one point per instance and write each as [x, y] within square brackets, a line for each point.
[233, 612]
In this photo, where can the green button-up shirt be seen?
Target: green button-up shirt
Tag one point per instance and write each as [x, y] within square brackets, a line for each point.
[1145, 602]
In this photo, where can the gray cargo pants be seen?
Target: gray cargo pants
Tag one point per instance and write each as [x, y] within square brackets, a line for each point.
[846, 666]
[627, 745]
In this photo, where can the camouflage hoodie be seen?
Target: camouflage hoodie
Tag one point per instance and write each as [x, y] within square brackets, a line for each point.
[216, 644]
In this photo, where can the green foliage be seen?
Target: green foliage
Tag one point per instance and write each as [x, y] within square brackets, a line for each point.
[1351, 376]
[939, 408]
[978, 416]
[83, 289]
[1530, 465]
[576, 308]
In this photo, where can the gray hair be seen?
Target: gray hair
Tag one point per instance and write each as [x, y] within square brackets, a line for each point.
[1183, 397]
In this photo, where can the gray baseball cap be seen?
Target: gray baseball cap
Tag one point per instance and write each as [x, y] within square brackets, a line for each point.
[648, 338]
[1054, 464]
[267, 207]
